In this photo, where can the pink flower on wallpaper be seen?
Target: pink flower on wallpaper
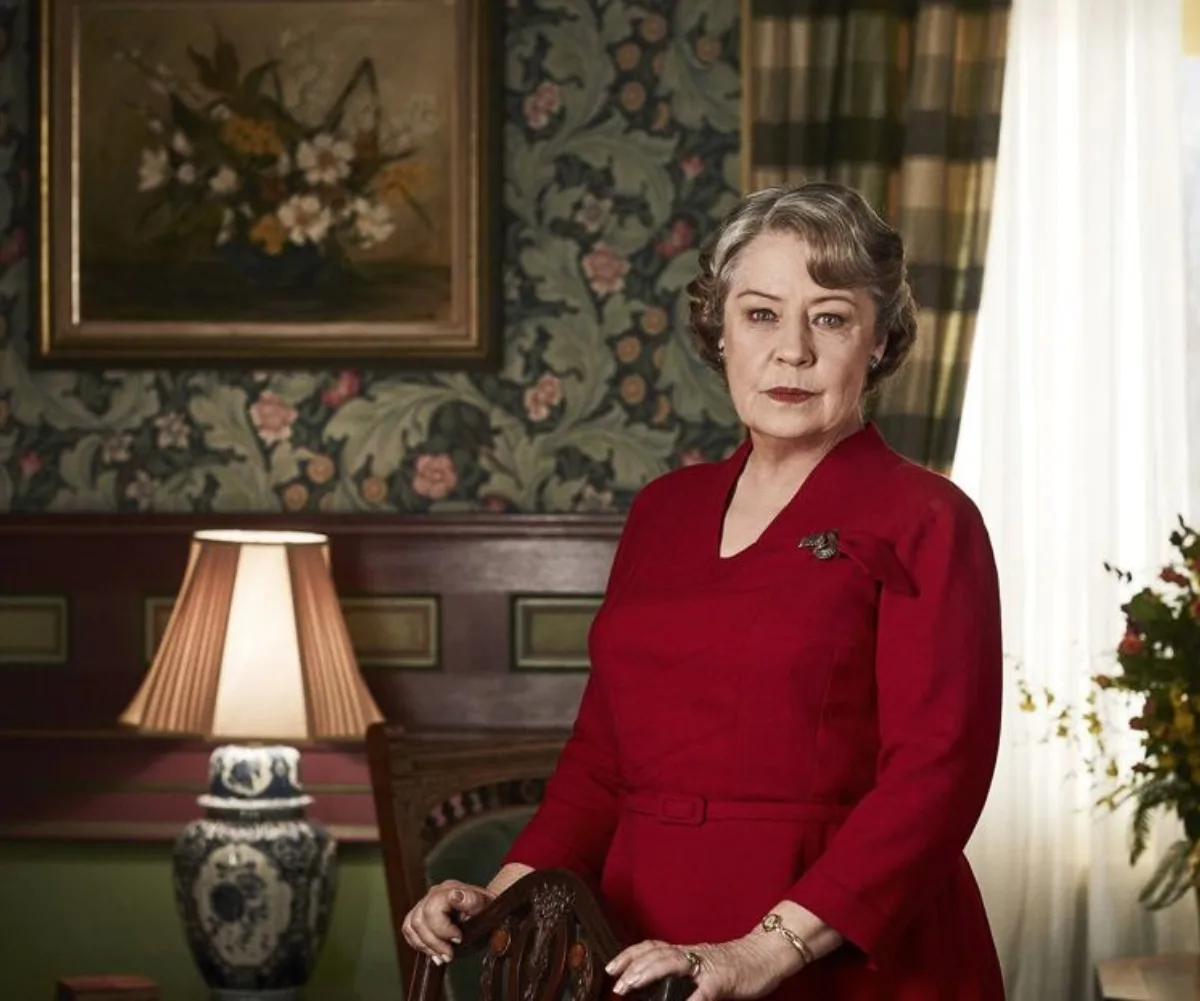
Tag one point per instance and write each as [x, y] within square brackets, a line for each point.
[692, 166]
[434, 476]
[541, 396]
[272, 417]
[345, 388]
[30, 463]
[605, 270]
[679, 239]
[14, 247]
[691, 457]
[542, 104]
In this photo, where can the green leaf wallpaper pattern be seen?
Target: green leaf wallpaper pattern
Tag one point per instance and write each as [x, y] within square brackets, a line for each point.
[621, 153]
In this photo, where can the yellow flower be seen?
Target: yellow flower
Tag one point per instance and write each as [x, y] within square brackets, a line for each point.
[629, 55]
[269, 233]
[628, 348]
[654, 320]
[320, 469]
[633, 389]
[632, 96]
[251, 136]
[1185, 722]
[398, 179]
[295, 496]
[373, 489]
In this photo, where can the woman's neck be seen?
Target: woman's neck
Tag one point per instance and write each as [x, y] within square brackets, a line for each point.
[787, 461]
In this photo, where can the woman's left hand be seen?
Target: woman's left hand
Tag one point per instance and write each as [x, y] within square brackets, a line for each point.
[740, 970]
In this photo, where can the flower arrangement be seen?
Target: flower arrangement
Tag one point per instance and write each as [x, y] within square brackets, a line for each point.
[1158, 681]
[279, 189]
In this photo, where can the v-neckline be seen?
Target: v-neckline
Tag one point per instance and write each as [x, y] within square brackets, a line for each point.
[735, 466]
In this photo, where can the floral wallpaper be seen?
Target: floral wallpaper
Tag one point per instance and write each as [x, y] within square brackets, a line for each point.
[621, 152]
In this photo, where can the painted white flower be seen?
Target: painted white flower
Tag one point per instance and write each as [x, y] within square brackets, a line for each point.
[421, 115]
[154, 169]
[324, 160]
[220, 112]
[180, 144]
[141, 489]
[225, 181]
[117, 448]
[372, 223]
[155, 126]
[225, 233]
[305, 218]
[283, 165]
[172, 430]
[186, 173]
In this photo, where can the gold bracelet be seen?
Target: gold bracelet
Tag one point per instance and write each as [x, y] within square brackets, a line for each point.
[773, 922]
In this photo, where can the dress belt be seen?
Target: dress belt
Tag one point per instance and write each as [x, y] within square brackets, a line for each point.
[681, 808]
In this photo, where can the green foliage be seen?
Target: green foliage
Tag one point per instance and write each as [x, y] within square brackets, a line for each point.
[1158, 671]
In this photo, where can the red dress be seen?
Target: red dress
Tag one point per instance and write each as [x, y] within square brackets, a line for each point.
[815, 718]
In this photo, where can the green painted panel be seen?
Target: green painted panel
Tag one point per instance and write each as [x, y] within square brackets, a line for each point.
[80, 908]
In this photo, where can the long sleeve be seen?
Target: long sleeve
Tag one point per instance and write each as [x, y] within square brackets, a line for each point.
[574, 824]
[938, 672]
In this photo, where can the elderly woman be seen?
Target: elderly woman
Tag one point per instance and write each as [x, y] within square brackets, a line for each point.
[792, 718]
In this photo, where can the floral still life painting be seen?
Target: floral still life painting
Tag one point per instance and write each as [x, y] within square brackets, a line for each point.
[268, 180]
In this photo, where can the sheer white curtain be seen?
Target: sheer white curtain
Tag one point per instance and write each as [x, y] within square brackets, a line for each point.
[1074, 446]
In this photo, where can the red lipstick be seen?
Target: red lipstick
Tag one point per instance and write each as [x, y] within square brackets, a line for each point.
[783, 394]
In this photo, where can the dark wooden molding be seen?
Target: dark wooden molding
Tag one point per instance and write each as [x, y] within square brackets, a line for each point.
[487, 525]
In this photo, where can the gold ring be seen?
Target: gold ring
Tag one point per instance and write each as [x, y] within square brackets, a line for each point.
[694, 962]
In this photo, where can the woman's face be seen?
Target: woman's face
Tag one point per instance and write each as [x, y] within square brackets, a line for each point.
[796, 354]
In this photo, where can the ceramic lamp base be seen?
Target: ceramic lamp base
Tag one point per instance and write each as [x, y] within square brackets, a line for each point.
[255, 880]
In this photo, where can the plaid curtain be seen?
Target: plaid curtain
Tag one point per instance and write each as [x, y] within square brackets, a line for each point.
[901, 100]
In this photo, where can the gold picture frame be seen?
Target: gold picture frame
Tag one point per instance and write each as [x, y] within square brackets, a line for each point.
[269, 181]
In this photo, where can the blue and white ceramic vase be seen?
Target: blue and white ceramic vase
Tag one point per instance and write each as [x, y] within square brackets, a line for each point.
[255, 880]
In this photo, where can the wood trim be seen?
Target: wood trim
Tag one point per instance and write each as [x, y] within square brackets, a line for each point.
[412, 773]
[487, 525]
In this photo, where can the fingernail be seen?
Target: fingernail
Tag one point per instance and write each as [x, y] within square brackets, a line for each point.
[437, 960]
[619, 987]
[456, 941]
[611, 967]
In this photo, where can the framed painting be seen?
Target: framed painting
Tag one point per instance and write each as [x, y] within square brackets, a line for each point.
[269, 181]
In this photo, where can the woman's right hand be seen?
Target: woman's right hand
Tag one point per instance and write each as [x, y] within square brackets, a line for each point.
[429, 927]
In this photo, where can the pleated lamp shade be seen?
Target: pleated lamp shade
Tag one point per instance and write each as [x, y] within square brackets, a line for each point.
[256, 647]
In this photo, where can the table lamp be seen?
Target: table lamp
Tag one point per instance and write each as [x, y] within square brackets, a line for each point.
[256, 652]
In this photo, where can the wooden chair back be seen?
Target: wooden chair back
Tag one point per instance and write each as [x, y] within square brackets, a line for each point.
[546, 938]
[428, 784]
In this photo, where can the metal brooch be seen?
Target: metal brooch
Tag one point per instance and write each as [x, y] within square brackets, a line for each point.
[824, 545]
